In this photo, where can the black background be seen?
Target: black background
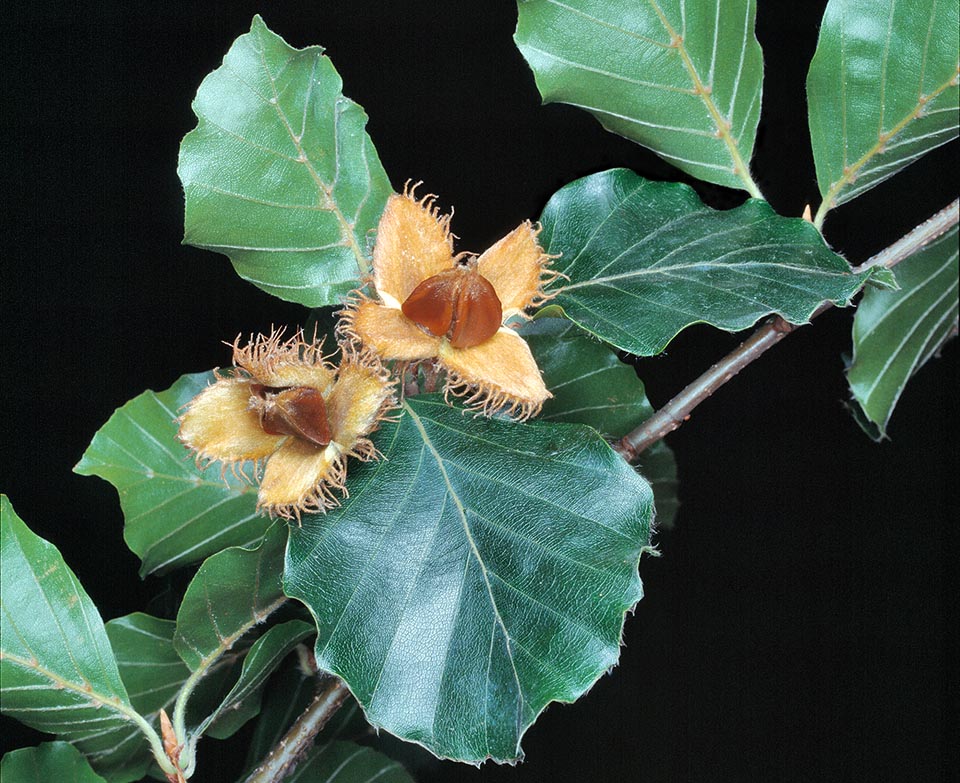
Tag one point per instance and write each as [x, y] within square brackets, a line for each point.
[798, 624]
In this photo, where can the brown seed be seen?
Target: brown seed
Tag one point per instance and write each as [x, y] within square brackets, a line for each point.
[299, 411]
[459, 304]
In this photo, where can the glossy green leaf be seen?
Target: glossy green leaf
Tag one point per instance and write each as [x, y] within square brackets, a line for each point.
[683, 79]
[279, 173]
[647, 259]
[590, 385]
[346, 762]
[51, 762]
[265, 655]
[175, 513]
[896, 332]
[58, 673]
[479, 571]
[152, 673]
[232, 591]
[882, 90]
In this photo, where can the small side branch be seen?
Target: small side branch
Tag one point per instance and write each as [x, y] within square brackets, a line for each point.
[290, 749]
[677, 411]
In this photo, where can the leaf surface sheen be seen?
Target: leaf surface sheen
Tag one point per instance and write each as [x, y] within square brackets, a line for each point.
[882, 90]
[647, 259]
[280, 174]
[174, 512]
[57, 669]
[684, 79]
[896, 332]
[471, 578]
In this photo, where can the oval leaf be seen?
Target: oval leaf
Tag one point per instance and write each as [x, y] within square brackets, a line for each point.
[175, 513]
[881, 92]
[279, 173]
[51, 761]
[149, 665]
[589, 383]
[896, 332]
[471, 578]
[647, 259]
[683, 80]
[57, 669]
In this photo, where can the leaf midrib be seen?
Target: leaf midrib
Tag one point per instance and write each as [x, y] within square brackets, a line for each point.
[704, 265]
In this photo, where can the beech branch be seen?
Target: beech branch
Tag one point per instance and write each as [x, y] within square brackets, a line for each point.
[282, 760]
[678, 410]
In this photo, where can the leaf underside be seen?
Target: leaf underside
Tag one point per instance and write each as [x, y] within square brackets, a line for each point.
[683, 79]
[882, 90]
[174, 512]
[896, 332]
[647, 259]
[280, 174]
[242, 702]
[479, 571]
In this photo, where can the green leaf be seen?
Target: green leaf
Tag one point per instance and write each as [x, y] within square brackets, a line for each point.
[280, 174]
[243, 701]
[590, 385]
[53, 762]
[175, 513]
[682, 79]
[57, 668]
[232, 591]
[346, 762]
[479, 571]
[647, 259]
[152, 673]
[896, 332]
[882, 91]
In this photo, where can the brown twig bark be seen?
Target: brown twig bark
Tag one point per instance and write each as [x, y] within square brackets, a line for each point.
[282, 760]
[678, 410]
